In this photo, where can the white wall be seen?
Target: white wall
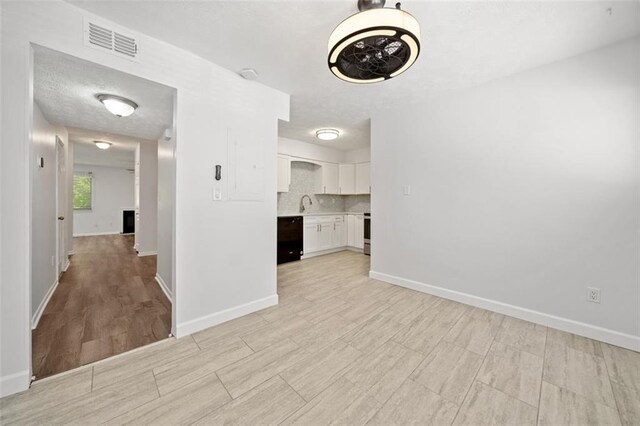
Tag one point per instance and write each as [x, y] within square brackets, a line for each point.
[361, 155]
[523, 192]
[225, 251]
[306, 150]
[166, 214]
[112, 193]
[43, 220]
[309, 151]
[147, 223]
[69, 216]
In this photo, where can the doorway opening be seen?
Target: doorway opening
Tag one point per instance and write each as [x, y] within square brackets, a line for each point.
[102, 241]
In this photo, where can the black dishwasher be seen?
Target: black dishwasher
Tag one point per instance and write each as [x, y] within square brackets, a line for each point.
[289, 238]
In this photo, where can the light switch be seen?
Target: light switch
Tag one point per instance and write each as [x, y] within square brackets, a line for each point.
[406, 190]
[217, 194]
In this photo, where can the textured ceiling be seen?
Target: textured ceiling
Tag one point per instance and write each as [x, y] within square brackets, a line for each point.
[463, 44]
[65, 89]
[121, 154]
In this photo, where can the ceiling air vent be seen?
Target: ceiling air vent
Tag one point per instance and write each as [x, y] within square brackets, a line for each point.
[109, 38]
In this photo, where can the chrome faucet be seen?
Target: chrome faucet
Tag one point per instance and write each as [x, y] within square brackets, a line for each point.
[302, 202]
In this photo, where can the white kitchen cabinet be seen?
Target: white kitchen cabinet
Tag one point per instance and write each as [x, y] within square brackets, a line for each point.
[351, 229]
[330, 180]
[339, 232]
[284, 173]
[325, 236]
[363, 178]
[310, 235]
[358, 231]
[323, 233]
[347, 179]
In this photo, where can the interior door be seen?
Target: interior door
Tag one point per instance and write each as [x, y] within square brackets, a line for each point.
[60, 205]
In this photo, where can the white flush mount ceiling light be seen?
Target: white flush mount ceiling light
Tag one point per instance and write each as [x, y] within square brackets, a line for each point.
[327, 134]
[103, 144]
[376, 44]
[117, 105]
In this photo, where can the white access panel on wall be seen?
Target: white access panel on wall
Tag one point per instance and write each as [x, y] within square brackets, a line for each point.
[245, 166]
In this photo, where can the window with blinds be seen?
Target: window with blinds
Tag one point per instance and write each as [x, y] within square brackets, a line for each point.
[82, 191]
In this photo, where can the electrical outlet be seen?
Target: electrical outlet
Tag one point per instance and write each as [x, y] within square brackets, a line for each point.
[593, 294]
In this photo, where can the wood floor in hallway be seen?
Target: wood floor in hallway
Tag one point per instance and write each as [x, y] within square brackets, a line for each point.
[342, 348]
[106, 303]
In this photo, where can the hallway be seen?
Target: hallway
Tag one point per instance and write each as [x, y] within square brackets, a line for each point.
[106, 303]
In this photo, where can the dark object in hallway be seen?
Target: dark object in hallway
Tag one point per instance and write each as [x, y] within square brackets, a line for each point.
[128, 221]
[107, 302]
[289, 238]
[367, 234]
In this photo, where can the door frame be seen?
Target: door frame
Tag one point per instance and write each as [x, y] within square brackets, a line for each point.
[30, 161]
[60, 235]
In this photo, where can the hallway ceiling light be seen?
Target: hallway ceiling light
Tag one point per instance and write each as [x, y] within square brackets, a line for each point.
[327, 134]
[103, 144]
[375, 44]
[117, 105]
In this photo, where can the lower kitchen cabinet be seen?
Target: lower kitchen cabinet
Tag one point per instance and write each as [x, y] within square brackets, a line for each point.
[351, 230]
[325, 236]
[339, 232]
[310, 235]
[358, 231]
[332, 231]
[323, 233]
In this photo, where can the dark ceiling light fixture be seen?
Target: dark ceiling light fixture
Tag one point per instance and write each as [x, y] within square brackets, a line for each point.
[376, 44]
[117, 105]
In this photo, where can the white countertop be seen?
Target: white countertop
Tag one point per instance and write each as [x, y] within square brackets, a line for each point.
[316, 214]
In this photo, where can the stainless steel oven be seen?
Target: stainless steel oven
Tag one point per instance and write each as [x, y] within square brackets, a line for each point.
[367, 233]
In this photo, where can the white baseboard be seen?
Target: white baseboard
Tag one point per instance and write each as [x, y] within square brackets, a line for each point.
[14, 383]
[323, 252]
[165, 289]
[71, 253]
[66, 265]
[333, 250]
[93, 234]
[38, 313]
[192, 326]
[582, 329]
[147, 253]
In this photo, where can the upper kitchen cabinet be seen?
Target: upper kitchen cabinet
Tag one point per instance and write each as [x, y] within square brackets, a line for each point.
[363, 178]
[330, 180]
[347, 179]
[284, 173]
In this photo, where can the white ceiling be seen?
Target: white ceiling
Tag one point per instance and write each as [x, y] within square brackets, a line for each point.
[65, 89]
[121, 154]
[463, 44]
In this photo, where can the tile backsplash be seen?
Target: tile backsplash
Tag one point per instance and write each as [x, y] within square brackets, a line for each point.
[357, 203]
[306, 179]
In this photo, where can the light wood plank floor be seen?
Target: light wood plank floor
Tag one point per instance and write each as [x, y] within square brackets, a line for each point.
[107, 303]
[343, 348]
